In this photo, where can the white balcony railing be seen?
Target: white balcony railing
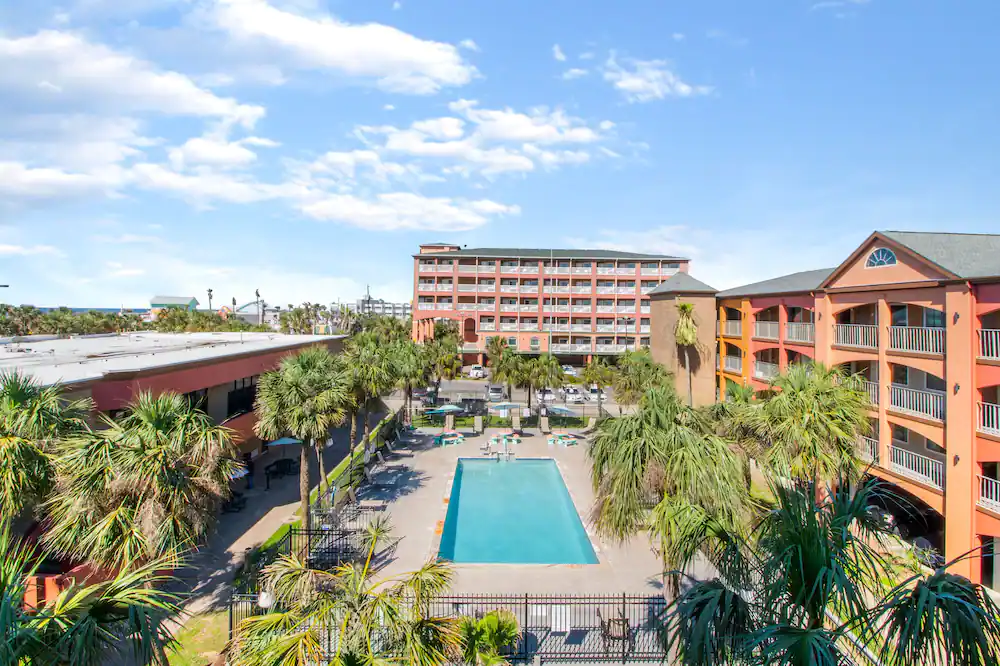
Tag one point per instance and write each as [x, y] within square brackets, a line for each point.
[605, 290]
[581, 308]
[508, 307]
[766, 329]
[581, 328]
[732, 363]
[626, 309]
[561, 348]
[582, 270]
[919, 339]
[426, 286]
[610, 348]
[628, 291]
[868, 449]
[989, 418]
[529, 289]
[668, 271]
[510, 269]
[487, 326]
[487, 288]
[917, 467]
[470, 346]
[581, 290]
[989, 493]
[605, 308]
[872, 388]
[529, 268]
[644, 308]
[529, 307]
[605, 328]
[557, 270]
[646, 290]
[468, 287]
[486, 269]
[856, 335]
[581, 347]
[625, 271]
[732, 328]
[555, 289]
[989, 343]
[800, 332]
[644, 329]
[555, 327]
[508, 289]
[650, 271]
[528, 326]
[555, 308]
[919, 402]
[764, 370]
[445, 306]
[427, 268]
[605, 270]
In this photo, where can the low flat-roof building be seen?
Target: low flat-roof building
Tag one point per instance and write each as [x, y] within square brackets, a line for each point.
[219, 370]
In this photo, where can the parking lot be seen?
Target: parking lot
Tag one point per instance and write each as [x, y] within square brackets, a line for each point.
[456, 390]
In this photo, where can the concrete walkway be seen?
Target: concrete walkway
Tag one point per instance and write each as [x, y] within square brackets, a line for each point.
[207, 578]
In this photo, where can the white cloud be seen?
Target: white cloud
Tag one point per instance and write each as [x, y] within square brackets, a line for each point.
[389, 107]
[405, 210]
[647, 80]
[129, 239]
[558, 54]
[93, 76]
[837, 4]
[76, 142]
[398, 61]
[20, 182]
[397, 5]
[678, 36]
[574, 73]
[541, 125]
[27, 250]
[587, 55]
[469, 45]
[205, 187]
[217, 151]
[440, 128]
[118, 270]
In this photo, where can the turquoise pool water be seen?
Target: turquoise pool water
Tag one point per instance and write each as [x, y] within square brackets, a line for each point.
[516, 512]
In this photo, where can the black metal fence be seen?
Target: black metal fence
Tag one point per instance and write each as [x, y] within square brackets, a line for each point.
[606, 628]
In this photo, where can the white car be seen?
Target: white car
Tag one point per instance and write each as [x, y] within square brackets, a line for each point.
[477, 372]
[575, 397]
[569, 370]
[594, 392]
[546, 395]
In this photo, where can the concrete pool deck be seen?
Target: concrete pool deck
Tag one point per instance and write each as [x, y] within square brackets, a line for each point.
[416, 485]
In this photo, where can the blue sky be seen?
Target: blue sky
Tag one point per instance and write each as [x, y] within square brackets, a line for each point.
[306, 147]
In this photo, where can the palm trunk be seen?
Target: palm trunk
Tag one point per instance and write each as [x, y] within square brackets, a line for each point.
[364, 429]
[353, 415]
[598, 401]
[687, 364]
[304, 485]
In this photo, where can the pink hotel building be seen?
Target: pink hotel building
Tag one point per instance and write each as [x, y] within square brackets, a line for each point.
[572, 303]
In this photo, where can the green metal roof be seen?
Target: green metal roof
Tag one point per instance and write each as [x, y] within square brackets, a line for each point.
[527, 253]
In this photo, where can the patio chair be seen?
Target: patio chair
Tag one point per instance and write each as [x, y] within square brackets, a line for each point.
[591, 425]
[615, 630]
[515, 422]
[544, 424]
[477, 425]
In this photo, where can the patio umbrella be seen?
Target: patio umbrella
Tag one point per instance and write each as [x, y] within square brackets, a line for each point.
[284, 441]
[505, 406]
[561, 411]
[448, 408]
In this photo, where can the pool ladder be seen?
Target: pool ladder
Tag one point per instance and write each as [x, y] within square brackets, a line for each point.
[506, 453]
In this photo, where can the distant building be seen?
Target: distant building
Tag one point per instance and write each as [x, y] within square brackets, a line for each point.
[164, 302]
[377, 306]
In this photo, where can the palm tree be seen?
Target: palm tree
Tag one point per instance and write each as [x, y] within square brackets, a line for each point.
[496, 347]
[305, 397]
[145, 486]
[410, 369]
[809, 426]
[377, 620]
[660, 469]
[445, 361]
[637, 372]
[508, 369]
[484, 640]
[544, 371]
[686, 337]
[121, 620]
[370, 365]
[598, 373]
[812, 576]
[33, 418]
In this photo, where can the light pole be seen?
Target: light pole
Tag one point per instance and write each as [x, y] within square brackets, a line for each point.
[209, 299]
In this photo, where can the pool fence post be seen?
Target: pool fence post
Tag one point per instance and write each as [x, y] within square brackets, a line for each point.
[628, 628]
[524, 628]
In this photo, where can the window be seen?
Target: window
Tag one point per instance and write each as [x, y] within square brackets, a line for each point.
[933, 318]
[512, 343]
[197, 399]
[900, 434]
[241, 396]
[934, 384]
[900, 375]
[879, 257]
[932, 447]
[535, 344]
[899, 317]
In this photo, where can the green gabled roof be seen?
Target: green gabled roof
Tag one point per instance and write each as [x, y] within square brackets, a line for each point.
[541, 253]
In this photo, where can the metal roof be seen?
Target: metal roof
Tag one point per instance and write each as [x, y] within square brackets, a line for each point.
[786, 284]
[172, 300]
[682, 283]
[527, 253]
[85, 358]
[965, 255]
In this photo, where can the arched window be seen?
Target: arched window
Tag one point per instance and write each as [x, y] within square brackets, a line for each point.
[882, 256]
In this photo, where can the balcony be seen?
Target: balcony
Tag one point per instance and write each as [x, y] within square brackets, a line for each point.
[625, 271]
[530, 268]
[644, 308]
[470, 347]
[426, 286]
[581, 308]
[868, 449]
[528, 326]
[764, 370]
[917, 402]
[605, 328]
[646, 290]
[510, 269]
[872, 388]
[644, 329]
[799, 332]
[529, 307]
[561, 348]
[445, 306]
[487, 326]
[557, 270]
[555, 308]
[468, 288]
[556, 327]
[731, 328]
[582, 270]
[581, 328]
[989, 493]
[487, 288]
[605, 290]
[605, 270]
[626, 309]
[732, 364]
[508, 289]
[916, 339]
[581, 290]
[989, 418]
[606, 308]
[427, 268]
[555, 289]
[529, 289]
[508, 326]
[627, 291]
[610, 348]
[486, 269]
[863, 336]
[917, 467]
[651, 271]
[767, 330]
[989, 344]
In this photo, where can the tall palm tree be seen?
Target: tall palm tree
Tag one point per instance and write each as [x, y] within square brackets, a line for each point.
[495, 349]
[445, 361]
[597, 373]
[144, 486]
[662, 468]
[686, 338]
[377, 620]
[636, 373]
[545, 371]
[410, 369]
[370, 365]
[305, 397]
[812, 576]
[508, 369]
[33, 418]
[121, 620]
[808, 428]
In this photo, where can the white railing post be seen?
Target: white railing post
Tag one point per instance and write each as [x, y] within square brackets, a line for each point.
[989, 343]
[917, 467]
[856, 335]
[872, 388]
[766, 329]
[989, 418]
[733, 364]
[764, 370]
[869, 449]
[800, 332]
[732, 328]
[989, 493]
[923, 340]
[917, 401]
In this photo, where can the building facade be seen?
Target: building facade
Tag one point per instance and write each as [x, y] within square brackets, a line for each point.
[378, 306]
[917, 315]
[572, 303]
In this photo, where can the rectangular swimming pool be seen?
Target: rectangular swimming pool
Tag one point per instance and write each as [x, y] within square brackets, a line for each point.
[516, 512]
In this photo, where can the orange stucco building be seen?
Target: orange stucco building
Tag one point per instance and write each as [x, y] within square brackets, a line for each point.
[571, 303]
[918, 316]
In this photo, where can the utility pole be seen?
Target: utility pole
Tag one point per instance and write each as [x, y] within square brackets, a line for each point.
[260, 310]
[209, 299]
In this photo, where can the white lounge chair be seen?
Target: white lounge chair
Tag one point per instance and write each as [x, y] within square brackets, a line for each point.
[559, 619]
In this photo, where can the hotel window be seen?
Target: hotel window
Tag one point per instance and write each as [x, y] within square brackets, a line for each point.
[933, 383]
[882, 256]
[933, 448]
[241, 396]
[899, 316]
[535, 344]
[900, 375]
[512, 343]
[933, 318]
[900, 434]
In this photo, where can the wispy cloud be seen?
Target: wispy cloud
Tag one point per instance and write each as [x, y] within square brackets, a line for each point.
[647, 80]
[574, 73]
[558, 54]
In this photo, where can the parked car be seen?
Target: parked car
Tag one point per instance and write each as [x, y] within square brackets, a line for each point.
[477, 372]
[495, 393]
[546, 395]
[574, 395]
[474, 406]
[569, 370]
[593, 393]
